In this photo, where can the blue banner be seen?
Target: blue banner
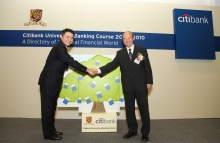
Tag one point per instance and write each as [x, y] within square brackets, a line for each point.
[88, 39]
[194, 34]
[217, 43]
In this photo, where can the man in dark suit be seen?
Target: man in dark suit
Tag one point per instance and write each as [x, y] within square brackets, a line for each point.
[50, 81]
[136, 76]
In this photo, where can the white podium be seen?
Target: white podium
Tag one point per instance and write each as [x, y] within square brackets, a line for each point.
[99, 122]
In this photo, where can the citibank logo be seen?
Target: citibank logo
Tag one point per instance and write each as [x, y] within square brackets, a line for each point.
[190, 19]
[103, 121]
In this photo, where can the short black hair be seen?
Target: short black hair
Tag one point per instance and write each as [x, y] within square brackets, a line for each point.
[67, 30]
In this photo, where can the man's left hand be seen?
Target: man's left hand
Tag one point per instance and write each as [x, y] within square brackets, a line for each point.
[149, 86]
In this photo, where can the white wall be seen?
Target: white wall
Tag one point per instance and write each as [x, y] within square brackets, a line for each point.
[217, 2]
[182, 88]
[190, 2]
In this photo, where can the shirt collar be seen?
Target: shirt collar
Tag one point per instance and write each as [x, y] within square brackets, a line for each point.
[132, 48]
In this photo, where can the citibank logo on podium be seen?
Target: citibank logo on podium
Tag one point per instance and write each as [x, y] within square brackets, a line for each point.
[103, 121]
[191, 19]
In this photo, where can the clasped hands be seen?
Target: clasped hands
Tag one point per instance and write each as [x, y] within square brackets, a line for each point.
[92, 71]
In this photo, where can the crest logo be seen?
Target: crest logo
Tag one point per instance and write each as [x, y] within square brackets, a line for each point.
[88, 120]
[35, 18]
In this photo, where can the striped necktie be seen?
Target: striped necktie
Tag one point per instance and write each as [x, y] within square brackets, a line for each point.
[130, 54]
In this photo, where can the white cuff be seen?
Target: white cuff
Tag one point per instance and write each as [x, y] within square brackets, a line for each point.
[99, 71]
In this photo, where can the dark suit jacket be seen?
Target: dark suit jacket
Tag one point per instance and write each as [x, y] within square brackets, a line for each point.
[57, 61]
[140, 74]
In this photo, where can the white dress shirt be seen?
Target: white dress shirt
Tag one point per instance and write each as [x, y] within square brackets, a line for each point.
[132, 49]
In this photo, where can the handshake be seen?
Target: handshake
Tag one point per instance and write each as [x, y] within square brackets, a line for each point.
[92, 71]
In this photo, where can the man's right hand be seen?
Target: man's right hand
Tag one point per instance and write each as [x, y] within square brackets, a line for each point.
[92, 71]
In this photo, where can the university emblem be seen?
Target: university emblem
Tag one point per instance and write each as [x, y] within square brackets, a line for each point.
[35, 18]
[88, 121]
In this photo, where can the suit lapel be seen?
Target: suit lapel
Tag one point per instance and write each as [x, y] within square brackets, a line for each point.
[125, 53]
[135, 53]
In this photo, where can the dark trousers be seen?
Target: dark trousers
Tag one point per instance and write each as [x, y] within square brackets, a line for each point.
[142, 101]
[48, 109]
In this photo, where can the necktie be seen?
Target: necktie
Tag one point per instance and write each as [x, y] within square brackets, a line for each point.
[130, 54]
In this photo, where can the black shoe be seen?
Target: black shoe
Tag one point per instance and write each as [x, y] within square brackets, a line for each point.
[144, 138]
[58, 133]
[129, 134]
[53, 137]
